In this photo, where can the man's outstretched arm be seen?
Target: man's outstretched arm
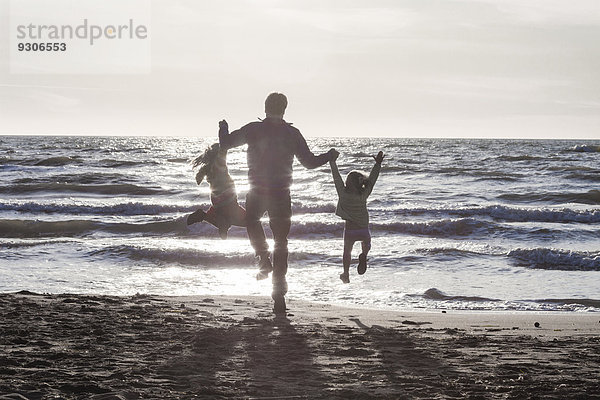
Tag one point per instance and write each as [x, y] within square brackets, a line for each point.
[234, 139]
[307, 158]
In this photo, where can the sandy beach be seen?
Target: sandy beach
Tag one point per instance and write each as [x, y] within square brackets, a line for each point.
[150, 347]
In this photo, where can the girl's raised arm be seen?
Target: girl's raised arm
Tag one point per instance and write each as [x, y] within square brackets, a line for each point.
[374, 173]
[337, 179]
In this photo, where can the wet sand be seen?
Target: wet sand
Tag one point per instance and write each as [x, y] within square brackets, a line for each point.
[151, 347]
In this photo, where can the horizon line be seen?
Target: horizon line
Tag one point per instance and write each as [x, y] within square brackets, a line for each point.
[306, 136]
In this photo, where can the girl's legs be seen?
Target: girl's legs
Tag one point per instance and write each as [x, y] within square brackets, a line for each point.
[347, 258]
[362, 258]
[232, 214]
[237, 215]
[213, 217]
[366, 246]
[196, 216]
[352, 236]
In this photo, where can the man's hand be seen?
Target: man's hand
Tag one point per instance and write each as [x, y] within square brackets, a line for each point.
[223, 125]
[333, 154]
[379, 157]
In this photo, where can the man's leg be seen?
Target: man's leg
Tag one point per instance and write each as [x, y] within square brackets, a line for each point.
[255, 208]
[280, 217]
[280, 220]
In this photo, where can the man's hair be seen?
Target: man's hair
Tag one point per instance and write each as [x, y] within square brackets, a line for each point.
[276, 104]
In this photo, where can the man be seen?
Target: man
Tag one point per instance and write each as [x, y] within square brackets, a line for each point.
[272, 145]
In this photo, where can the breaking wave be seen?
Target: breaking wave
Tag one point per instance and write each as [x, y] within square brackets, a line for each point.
[586, 148]
[590, 197]
[435, 294]
[59, 187]
[450, 252]
[180, 256]
[505, 213]
[178, 160]
[79, 178]
[298, 208]
[520, 158]
[543, 215]
[133, 208]
[591, 177]
[31, 243]
[31, 228]
[544, 258]
[113, 163]
[185, 256]
[443, 228]
[462, 302]
[57, 161]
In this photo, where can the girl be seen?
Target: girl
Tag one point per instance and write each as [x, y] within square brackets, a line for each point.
[352, 207]
[225, 210]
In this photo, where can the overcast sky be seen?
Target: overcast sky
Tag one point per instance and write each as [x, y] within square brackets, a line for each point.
[422, 68]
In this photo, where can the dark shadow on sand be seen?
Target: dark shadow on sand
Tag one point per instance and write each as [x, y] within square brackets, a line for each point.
[253, 357]
[411, 370]
[366, 362]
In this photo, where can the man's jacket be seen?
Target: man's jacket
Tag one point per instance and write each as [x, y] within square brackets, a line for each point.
[272, 145]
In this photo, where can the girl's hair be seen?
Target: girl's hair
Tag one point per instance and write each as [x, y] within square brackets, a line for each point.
[204, 162]
[353, 181]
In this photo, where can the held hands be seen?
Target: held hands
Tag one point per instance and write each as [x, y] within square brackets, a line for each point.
[379, 157]
[333, 154]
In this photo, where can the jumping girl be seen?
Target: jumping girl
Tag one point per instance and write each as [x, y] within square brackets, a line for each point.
[352, 207]
[225, 210]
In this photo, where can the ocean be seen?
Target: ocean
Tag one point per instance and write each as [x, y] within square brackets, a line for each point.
[457, 224]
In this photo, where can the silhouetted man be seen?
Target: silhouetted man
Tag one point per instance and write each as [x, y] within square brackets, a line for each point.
[272, 145]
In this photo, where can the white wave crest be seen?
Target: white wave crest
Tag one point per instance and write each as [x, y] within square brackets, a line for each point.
[545, 258]
[185, 256]
[130, 208]
[586, 148]
[513, 214]
[534, 215]
[443, 228]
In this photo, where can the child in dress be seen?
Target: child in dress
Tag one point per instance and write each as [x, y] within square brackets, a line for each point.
[225, 210]
[352, 207]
